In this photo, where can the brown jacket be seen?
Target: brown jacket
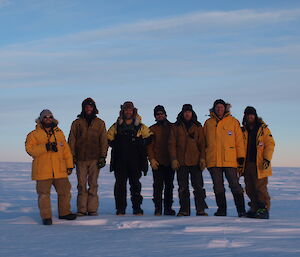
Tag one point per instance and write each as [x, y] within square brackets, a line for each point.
[158, 148]
[188, 147]
[88, 143]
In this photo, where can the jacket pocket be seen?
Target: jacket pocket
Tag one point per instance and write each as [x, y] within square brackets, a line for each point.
[230, 154]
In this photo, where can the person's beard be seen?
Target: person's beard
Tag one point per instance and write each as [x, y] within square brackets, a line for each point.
[48, 125]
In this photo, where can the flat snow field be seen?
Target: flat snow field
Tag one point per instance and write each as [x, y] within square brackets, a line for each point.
[21, 232]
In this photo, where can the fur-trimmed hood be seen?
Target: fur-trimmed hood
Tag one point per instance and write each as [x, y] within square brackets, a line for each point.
[227, 111]
[180, 118]
[39, 123]
[137, 119]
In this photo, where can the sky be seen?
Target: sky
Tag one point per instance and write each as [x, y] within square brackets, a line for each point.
[54, 54]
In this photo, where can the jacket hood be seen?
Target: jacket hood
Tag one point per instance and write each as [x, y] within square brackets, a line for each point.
[137, 119]
[180, 118]
[39, 123]
[227, 111]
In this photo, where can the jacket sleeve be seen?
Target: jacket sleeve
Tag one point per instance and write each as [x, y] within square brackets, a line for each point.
[68, 157]
[146, 132]
[172, 144]
[239, 140]
[103, 141]
[150, 147]
[201, 143]
[33, 148]
[269, 144]
[111, 133]
[72, 138]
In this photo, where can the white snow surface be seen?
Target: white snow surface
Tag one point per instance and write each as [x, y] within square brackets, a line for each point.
[21, 232]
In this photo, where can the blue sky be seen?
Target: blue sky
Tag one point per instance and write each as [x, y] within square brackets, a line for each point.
[56, 53]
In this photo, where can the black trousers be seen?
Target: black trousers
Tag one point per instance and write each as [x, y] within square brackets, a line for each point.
[163, 179]
[184, 192]
[217, 175]
[122, 174]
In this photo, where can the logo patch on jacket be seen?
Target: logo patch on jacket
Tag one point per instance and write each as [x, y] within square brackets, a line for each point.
[261, 144]
[61, 144]
[229, 133]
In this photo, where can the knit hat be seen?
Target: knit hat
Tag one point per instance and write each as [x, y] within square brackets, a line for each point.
[159, 108]
[250, 110]
[187, 107]
[45, 113]
[91, 102]
[219, 101]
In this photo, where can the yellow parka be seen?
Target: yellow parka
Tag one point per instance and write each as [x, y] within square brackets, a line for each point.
[224, 141]
[265, 145]
[47, 165]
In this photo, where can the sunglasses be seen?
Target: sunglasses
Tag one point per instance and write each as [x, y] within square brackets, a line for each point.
[159, 113]
[48, 117]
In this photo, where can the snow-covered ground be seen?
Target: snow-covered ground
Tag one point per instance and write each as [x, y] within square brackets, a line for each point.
[21, 232]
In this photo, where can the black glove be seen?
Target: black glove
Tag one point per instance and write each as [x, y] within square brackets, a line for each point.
[266, 164]
[145, 173]
[101, 163]
[240, 161]
[69, 171]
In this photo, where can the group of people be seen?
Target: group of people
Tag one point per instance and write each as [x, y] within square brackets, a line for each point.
[184, 147]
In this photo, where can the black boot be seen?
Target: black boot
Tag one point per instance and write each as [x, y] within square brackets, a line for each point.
[71, 216]
[222, 205]
[120, 212]
[182, 213]
[169, 212]
[240, 204]
[201, 213]
[262, 212]
[47, 221]
[158, 206]
[138, 211]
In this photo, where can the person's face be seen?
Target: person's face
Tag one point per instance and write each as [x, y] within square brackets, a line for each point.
[88, 109]
[160, 116]
[220, 110]
[251, 118]
[47, 121]
[187, 115]
[128, 113]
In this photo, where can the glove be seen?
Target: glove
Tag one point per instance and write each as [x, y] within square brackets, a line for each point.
[69, 171]
[202, 164]
[240, 168]
[145, 173]
[175, 165]
[154, 164]
[101, 163]
[266, 164]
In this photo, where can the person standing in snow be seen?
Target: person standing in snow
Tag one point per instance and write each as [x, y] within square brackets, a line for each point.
[163, 174]
[187, 153]
[88, 142]
[52, 163]
[128, 138]
[225, 154]
[259, 145]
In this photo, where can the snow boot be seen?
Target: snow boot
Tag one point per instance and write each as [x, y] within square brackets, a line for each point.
[138, 212]
[158, 212]
[222, 204]
[70, 216]
[201, 213]
[240, 204]
[92, 214]
[182, 213]
[120, 212]
[47, 222]
[169, 212]
[81, 214]
[262, 212]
